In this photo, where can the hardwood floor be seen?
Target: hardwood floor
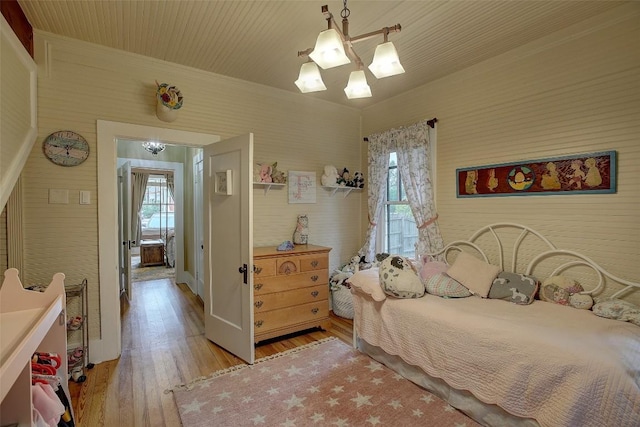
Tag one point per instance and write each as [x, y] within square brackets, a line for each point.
[163, 345]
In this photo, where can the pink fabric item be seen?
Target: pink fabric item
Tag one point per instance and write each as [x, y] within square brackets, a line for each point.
[47, 403]
[578, 369]
[430, 269]
[368, 281]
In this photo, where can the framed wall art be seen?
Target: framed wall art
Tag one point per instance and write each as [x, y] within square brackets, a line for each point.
[591, 173]
[302, 187]
[223, 183]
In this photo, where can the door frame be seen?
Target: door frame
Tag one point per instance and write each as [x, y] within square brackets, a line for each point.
[198, 226]
[109, 345]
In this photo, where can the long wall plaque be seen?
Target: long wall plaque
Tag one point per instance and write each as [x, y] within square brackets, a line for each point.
[591, 173]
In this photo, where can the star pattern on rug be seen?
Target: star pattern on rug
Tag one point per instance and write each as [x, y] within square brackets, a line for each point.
[328, 384]
[194, 406]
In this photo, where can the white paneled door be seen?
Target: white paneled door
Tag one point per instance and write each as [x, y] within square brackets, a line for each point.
[124, 222]
[228, 245]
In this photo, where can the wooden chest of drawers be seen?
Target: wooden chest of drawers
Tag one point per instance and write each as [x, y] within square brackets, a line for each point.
[290, 290]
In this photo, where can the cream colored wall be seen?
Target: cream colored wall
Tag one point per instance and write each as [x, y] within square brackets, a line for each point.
[575, 92]
[79, 83]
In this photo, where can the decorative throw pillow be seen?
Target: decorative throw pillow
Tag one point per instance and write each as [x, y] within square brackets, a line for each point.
[618, 310]
[399, 278]
[475, 274]
[430, 269]
[368, 281]
[514, 287]
[565, 291]
[444, 286]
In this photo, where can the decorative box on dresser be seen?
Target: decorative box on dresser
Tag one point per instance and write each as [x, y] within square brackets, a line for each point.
[290, 290]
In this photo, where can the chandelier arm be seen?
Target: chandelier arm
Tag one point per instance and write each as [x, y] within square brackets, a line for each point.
[384, 31]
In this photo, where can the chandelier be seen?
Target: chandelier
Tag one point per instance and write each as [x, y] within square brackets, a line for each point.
[334, 48]
[153, 147]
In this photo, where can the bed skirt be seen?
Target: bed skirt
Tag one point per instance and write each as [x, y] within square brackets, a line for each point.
[485, 414]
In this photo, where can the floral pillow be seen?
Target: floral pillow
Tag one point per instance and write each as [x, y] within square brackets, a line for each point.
[399, 278]
[565, 291]
[514, 287]
[618, 310]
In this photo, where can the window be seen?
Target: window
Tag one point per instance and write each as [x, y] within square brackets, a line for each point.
[397, 230]
[157, 210]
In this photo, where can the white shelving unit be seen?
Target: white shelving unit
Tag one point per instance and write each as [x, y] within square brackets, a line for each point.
[77, 303]
[346, 190]
[30, 321]
[267, 185]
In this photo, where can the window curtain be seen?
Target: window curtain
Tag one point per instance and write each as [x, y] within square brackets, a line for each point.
[139, 183]
[414, 162]
[170, 184]
[378, 168]
[412, 146]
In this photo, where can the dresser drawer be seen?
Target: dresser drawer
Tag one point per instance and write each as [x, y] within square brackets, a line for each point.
[265, 285]
[314, 262]
[287, 265]
[284, 317]
[264, 267]
[277, 300]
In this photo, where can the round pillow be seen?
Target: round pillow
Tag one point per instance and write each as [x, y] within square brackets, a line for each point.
[562, 290]
[583, 302]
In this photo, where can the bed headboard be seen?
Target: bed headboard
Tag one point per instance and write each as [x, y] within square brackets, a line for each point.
[531, 253]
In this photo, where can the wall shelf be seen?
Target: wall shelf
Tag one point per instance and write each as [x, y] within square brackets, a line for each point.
[346, 190]
[267, 185]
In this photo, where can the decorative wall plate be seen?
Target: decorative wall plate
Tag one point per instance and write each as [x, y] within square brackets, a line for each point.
[66, 148]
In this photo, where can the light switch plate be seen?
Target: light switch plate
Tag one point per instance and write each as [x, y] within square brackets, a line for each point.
[58, 196]
[85, 197]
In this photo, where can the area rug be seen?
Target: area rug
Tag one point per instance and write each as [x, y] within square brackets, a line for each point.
[141, 274]
[326, 383]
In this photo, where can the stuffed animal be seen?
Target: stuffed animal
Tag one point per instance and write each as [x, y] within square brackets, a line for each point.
[338, 278]
[265, 172]
[330, 176]
[358, 180]
[344, 178]
[277, 176]
[301, 233]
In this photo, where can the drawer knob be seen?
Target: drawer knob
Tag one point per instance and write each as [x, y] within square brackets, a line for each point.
[257, 286]
[258, 304]
[314, 263]
[315, 310]
[314, 278]
[258, 270]
[314, 293]
[258, 323]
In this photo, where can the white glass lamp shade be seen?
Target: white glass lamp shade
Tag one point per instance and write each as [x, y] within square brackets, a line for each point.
[385, 61]
[309, 79]
[357, 87]
[329, 50]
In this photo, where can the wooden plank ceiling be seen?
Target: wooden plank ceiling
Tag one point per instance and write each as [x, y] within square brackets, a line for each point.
[258, 41]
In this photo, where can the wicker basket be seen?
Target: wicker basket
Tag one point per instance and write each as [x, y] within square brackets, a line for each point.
[342, 302]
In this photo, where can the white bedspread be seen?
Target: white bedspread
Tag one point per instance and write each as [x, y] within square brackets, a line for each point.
[556, 364]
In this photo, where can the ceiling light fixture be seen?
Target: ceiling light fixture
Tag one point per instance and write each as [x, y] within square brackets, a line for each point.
[153, 147]
[334, 48]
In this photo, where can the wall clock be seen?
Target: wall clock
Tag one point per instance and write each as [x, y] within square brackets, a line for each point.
[66, 148]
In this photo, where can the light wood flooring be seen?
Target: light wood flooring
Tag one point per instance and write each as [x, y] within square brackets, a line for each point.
[163, 345]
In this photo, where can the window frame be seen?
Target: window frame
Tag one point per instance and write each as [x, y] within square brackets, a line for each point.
[382, 235]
